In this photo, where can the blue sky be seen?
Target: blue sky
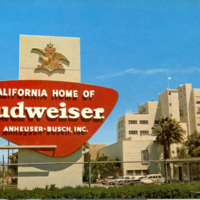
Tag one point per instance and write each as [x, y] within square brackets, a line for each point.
[131, 46]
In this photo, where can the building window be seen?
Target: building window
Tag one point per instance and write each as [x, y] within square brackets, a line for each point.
[198, 124]
[143, 121]
[169, 93]
[133, 132]
[132, 121]
[170, 104]
[156, 121]
[130, 172]
[121, 134]
[138, 172]
[120, 124]
[144, 132]
[170, 115]
[197, 102]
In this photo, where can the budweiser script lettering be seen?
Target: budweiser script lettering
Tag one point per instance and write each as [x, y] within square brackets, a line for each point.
[20, 111]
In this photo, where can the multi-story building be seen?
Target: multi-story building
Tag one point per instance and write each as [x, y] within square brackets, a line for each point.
[189, 103]
[135, 137]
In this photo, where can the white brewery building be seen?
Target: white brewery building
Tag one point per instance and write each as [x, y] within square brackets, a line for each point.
[136, 139]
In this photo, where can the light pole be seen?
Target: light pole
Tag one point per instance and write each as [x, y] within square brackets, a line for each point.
[169, 78]
[165, 163]
[8, 151]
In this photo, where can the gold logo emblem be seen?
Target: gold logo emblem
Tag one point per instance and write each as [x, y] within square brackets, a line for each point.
[51, 58]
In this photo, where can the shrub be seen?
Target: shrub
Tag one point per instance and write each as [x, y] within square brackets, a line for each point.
[174, 190]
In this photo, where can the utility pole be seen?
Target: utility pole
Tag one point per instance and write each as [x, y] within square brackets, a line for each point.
[165, 163]
[3, 181]
[8, 151]
[89, 165]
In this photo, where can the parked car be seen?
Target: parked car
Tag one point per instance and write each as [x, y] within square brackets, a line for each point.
[136, 180]
[109, 180]
[99, 180]
[153, 178]
[117, 180]
[123, 180]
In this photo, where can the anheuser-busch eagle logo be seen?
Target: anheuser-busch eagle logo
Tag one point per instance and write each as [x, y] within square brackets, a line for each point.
[51, 58]
[57, 113]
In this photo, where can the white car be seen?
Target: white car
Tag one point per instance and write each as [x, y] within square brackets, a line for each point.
[108, 180]
[136, 180]
[153, 178]
[123, 180]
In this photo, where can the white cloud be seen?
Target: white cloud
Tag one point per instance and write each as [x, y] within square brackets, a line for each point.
[151, 72]
[191, 70]
[156, 71]
[128, 71]
[132, 71]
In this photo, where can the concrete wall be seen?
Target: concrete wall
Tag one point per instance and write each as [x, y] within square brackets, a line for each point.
[189, 100]
[30, 177]
[42, 175]
[29, 59]
[186, 111]
[147, 112]
[169, 103]
[121, 129]
[130, 150]
[113, 151]
[196, 110]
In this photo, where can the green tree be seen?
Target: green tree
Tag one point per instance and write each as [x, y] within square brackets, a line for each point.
[13, 160]
[182, 152]
[168, 131]
[193, 144]
[105, 167]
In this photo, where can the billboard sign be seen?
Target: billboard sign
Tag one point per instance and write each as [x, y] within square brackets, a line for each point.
[64, 114]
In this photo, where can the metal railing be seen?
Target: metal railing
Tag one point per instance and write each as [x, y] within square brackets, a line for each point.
[91, 172]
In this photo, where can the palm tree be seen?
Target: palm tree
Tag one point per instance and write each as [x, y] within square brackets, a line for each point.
[169, 131]
[86, 146]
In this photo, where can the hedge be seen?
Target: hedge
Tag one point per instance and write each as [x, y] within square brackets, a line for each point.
[175, 190]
